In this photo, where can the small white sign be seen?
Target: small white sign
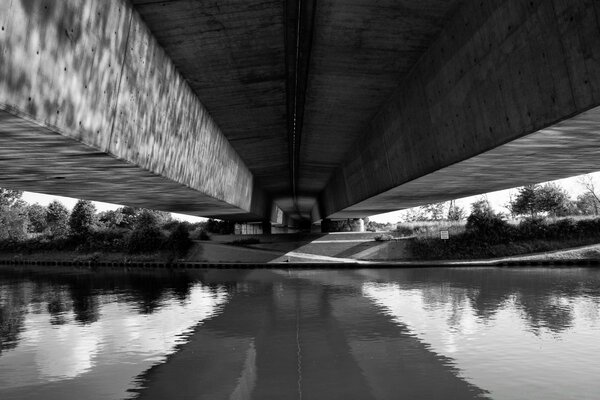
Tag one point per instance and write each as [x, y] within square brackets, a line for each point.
[444, 235]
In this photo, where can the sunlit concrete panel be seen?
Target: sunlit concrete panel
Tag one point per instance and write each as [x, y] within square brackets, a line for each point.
[459, 124]
[89, 77]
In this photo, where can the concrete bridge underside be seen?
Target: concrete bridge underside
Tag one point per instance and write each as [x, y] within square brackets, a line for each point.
[318, 108]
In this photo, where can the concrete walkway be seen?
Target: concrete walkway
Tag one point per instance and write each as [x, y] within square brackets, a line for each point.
[206, 251]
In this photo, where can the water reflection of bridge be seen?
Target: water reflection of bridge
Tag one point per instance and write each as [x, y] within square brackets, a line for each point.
[315, 332]
[312, 336]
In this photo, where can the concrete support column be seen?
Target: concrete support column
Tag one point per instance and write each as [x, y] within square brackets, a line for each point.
[343, 225]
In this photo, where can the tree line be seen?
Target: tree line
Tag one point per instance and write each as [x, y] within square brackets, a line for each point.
[530, 201]
[54, 227]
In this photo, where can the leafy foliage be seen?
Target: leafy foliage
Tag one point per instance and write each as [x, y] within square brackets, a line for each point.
[13, 215]
[485, 223]
[37, 218]
[83, 219]
[111, 219]
[220, 226]
[57, 219]
[10, 198]
[13, 223]
[179, 241]
[146, 236]
[534, 199]
[455, 213]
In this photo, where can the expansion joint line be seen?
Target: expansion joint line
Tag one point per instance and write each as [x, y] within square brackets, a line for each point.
[295, 115]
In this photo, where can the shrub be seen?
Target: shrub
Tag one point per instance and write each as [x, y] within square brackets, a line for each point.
[83, 219]
[484, 224]
[144, 239]
[57, 218]
[531, 228]
[383, 238]
[404, 230]
[179, 241]
[107, 239]
[242, 242]
[219, 226]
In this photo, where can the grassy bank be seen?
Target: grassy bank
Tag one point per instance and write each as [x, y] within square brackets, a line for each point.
[501, 239]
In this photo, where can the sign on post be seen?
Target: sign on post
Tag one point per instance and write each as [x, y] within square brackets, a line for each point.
[444, 235]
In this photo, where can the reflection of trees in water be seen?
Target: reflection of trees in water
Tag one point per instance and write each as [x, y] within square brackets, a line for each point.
[12, 314]
[545, 296]
[550, 311]
[59, 294]
[58, 304]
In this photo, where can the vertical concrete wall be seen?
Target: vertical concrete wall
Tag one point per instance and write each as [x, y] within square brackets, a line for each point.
[91, 71]
[499, 70]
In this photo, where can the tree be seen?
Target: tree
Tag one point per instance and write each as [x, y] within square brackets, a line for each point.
[485, 223]
[455, 213]
[434, 211]
[146, 236]
[57, 218]
[37, 218]
[220, 226]
[179, 240]
[83, 218]
[414, 214]
[13, 223]
[13, 215]
[591, 200]
[587, 204]
[525, 201]
[553, 199]
[111, 218]
[10, 198]
[533, 199]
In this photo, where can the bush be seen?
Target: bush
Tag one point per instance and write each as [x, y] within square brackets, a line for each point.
[588, 227]
[531, 228]
[221, 227]
[83, 219]
[242, 242]
[404, 230]
[179, 241]
[384, 238]
[107, 239]
[484, 224]
[144, 239]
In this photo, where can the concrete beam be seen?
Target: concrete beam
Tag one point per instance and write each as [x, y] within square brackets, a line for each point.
[93, 108]
[500, 71]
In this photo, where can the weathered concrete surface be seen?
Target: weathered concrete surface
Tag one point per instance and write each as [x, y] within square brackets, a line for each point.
[93, 73]
[500, 70]
[406, 102]
[361, 52]
[568, 148]
[233, 54]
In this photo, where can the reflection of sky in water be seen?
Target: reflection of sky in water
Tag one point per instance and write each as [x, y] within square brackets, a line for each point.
[507, 354]
[118, 347]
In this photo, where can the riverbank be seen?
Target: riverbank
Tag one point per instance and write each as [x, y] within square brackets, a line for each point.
[324, 251]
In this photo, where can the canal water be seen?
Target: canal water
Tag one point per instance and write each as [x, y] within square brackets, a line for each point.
[426, 333]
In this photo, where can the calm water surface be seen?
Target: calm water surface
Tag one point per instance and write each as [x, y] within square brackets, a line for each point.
[455, 333]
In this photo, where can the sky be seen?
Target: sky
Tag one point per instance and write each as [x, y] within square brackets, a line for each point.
[498, 200]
